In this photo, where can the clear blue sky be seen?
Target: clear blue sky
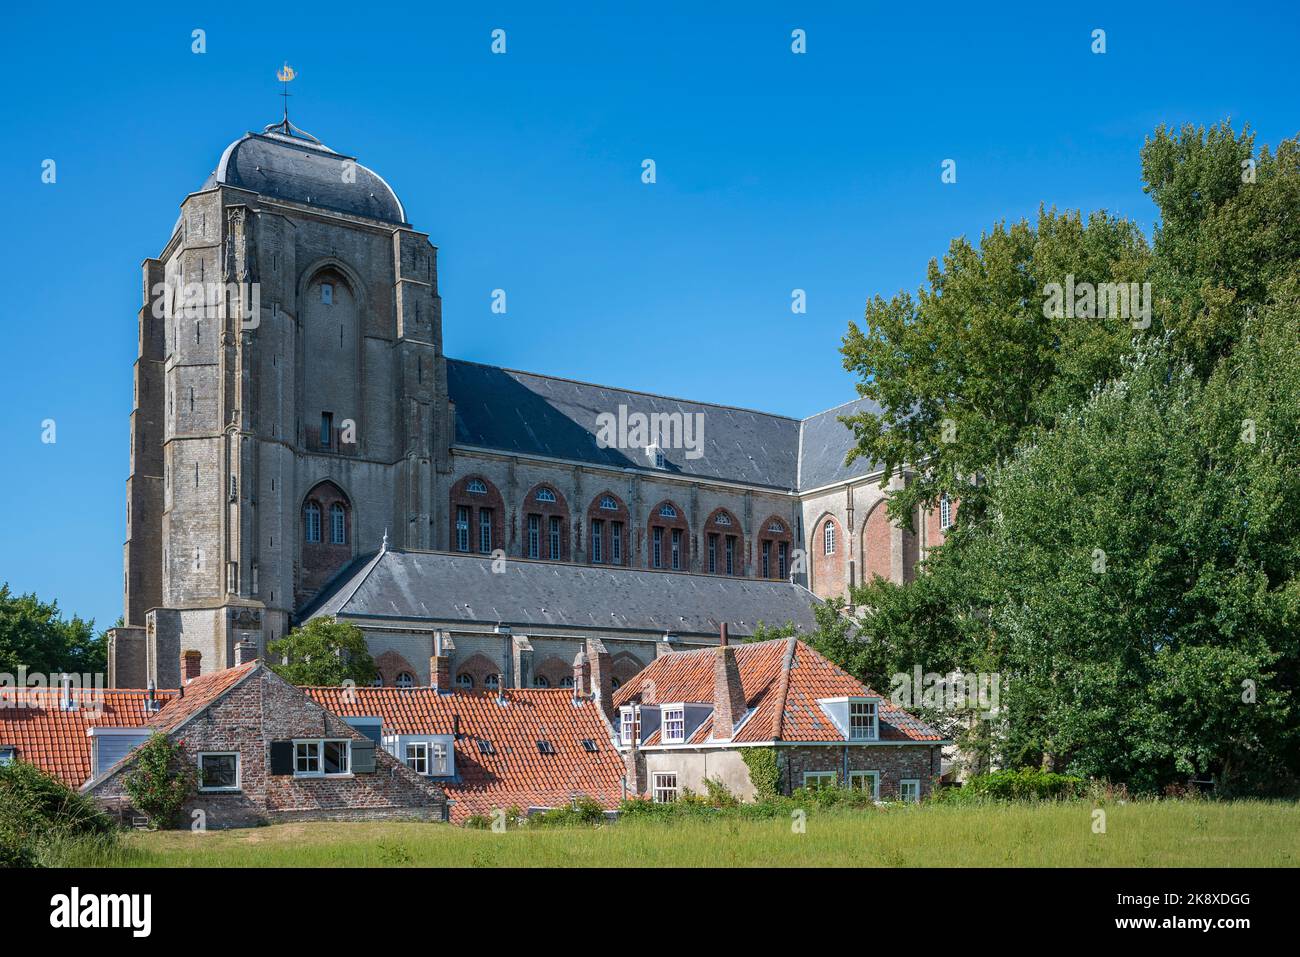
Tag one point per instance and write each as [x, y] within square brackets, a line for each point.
[775, 172]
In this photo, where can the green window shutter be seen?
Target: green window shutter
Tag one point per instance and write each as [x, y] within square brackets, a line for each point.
[281, 757]
[363, 757]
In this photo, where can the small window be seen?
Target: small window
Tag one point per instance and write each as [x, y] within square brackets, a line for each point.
[656, 550]
[321, 758]
[476, 487]
[722, 518]
[866, 781]
[545, 495]
[814, 780]
[608, 503]
[541, 681]
[417, 756]
[405, 680]
[566, 682]
[664, 788]
[464, 681]
[626, 725]
[485, 746]
[492, 681]
[589, 746]
[438, 758]
[338, 525]
[776, 528]
[657, 454]
[674, 725]
[616, 683]
[554, 537]
[326, 429]
[327, 293]
[945, 512]
[7, 756]
[311, 520]
[909, 790]
[545, 747]
[667, 511]
[534, 536]
[597, 539]
[218, 771]
[862, 720]
[829, 538]
[485, 531]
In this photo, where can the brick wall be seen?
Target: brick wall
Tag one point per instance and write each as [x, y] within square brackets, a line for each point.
[894, 762]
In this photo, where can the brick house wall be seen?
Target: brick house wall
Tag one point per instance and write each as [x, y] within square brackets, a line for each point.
[894, 762]
[265, 708]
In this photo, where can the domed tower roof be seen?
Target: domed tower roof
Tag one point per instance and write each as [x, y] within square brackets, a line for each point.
[288, 163]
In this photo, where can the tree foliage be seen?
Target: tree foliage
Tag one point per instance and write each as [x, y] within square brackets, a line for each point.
[34, 635]
[1132, 567]
[324, 652]
[160, 780]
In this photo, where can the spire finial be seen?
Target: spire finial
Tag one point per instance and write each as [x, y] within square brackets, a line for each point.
[384, 545]
[284, 75]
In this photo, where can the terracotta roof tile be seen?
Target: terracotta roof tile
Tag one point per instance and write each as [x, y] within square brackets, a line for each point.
[198, 694]
[55, 740]
[516, 774]
[782, 700]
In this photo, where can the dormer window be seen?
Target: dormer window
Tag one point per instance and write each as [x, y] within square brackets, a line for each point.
[476, 487]
[655, 455]
[863, 721]
[674, 725]
[545, 495]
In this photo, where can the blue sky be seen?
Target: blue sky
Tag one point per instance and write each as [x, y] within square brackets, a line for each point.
[775, 172]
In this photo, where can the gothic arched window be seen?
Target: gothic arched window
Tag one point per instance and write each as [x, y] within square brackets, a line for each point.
[464, 681]
[405, 680]
[311, 519]
[545, 495]
[338, 525]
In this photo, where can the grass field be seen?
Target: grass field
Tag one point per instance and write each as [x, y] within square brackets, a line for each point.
[1143, 834]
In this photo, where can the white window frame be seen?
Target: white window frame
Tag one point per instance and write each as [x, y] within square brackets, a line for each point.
[855, 776]
[828, 537]
[905, 782]
[544, 495]
[661, 791]
[238, 770]
[319, 745]
[476, 487]
[608, 503]
[674, 715]
[667, 511]
[945, 512]
[819, 779]
[417, 756]
[438, 763]
[873, 709]
[404, 679]
[626, 725]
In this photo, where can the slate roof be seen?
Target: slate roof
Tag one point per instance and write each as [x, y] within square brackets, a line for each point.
[782, 679]
[449, 587]
[55, 740]
[528, 414]
[286, 163]
[517, 774]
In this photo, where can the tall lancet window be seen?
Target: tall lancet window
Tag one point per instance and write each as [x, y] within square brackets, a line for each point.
[338, 525]
[311, 520]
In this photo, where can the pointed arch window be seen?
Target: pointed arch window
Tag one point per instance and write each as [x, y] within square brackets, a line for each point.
[829, 538]
[311, 520]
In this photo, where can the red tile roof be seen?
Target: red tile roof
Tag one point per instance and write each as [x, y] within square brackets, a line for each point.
[198, 694]
[517, 774]
[783, 679]
[55, 740]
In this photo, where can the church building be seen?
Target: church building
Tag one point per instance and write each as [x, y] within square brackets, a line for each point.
[301, 446]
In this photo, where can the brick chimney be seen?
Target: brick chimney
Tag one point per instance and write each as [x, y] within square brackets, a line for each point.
[728, 695]
[191, 665]
[245, 651]
[581, 675]
[440, 672]
[602, 675]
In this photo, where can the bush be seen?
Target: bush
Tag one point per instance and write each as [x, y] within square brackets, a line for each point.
[161, 780]
[764, 771]
[584, 811]
[1027, 784]
[38, 811]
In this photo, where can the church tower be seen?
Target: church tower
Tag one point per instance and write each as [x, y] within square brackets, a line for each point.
[290, 402]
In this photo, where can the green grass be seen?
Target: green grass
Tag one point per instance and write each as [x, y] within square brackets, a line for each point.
[1138, 834]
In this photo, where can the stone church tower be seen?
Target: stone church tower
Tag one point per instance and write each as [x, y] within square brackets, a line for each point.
[290, 404]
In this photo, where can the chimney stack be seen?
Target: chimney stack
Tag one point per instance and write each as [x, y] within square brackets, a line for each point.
[581, 675]
[440, 672]
[602, 675]
[191, 665]
[245, 651]
[728, 694]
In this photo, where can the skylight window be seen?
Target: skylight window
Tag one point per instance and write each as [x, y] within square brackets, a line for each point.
[589, 746]
[485, 746]
[545, 747]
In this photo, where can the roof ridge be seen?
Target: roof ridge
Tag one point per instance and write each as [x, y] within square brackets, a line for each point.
[783, 691]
